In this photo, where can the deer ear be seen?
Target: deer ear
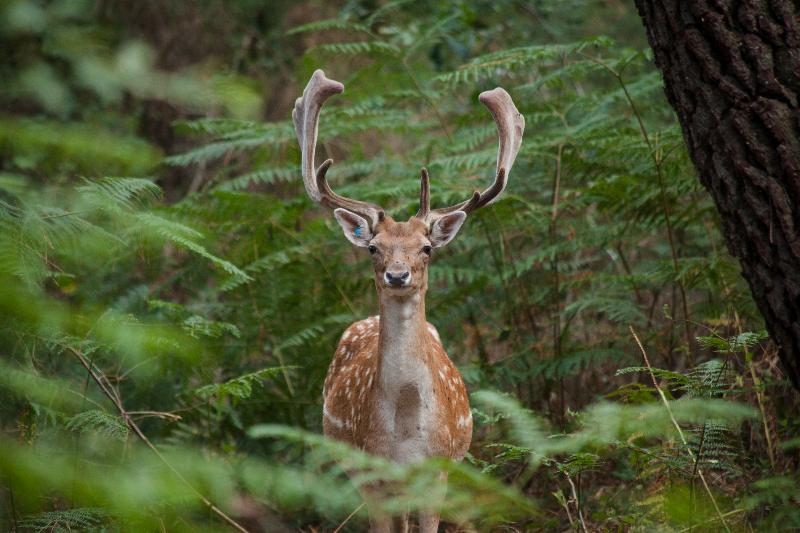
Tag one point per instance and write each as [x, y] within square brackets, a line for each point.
[355, 228]
[446, 228]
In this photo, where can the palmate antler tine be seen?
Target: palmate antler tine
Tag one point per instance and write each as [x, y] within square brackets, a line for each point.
[306, 123]
[510, 127]
[305, 116]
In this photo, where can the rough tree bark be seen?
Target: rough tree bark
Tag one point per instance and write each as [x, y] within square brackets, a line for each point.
[731, 71]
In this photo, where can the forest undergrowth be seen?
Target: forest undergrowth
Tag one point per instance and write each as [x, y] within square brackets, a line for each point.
[171, 299]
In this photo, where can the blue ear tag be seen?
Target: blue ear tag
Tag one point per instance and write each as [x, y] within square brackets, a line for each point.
[357, 231]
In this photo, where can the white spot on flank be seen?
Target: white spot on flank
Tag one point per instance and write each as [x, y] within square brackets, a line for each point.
[441, 375]
[332, 419]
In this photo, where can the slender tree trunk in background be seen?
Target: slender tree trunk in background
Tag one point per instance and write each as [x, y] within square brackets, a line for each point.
[731, 71]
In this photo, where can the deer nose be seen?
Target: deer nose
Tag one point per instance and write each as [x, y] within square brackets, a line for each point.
[397, 278]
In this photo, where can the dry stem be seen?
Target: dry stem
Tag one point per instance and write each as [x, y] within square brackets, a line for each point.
[720, 516]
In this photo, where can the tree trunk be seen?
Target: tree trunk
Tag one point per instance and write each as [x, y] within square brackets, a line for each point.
[731, 71]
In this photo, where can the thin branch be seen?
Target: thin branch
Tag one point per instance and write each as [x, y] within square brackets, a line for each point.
[729, 513]
[157, 414]
[569, 514]
[553, 230]
[13, 506]
[577, 502]
[626, 266]
[699, 450]
[351, 515]
[102, 382]
[720, 516]
[442, 122]
[658, 162]
[748, 358]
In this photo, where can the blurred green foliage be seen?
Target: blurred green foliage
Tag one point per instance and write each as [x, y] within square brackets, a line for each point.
[170, 299]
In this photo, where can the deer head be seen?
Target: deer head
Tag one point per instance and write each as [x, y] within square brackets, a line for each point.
[400, 250]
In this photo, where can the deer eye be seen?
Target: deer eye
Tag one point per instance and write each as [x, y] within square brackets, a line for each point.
[372, 248]
[427, 249]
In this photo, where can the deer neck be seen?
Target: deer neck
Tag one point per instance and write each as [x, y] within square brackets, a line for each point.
[402, 343]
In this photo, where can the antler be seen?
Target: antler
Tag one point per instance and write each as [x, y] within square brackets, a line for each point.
[424, 195]
[510, 126]
[306, 123]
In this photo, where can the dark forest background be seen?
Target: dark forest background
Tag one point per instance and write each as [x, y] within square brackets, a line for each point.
[170, 298]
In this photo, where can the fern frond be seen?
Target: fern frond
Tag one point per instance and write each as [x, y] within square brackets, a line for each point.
[234, 141]
[111, 426]
[121, 191]
[270, 175]
[330, 24]
[368, 48]
[78, 519]
[240, 387]
[183, 235]
[507, 61]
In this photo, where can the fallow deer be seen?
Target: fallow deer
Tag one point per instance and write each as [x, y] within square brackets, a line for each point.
[391, 389]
